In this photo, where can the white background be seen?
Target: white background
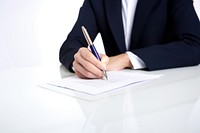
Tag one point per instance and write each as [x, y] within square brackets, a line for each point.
[31, 32]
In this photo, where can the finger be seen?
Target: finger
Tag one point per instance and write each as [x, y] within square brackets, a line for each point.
[81, 72]
[88, 66]
[87, 55]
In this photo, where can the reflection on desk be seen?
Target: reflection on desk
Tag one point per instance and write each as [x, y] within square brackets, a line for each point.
[166, 105]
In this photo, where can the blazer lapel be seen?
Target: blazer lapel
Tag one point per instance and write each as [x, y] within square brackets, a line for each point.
[114, 16]
[143, 9]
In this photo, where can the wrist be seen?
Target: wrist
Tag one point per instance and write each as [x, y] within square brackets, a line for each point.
[119, 62]
[125, 61]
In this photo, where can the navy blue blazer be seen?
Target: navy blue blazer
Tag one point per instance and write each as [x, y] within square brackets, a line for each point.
[165, 34]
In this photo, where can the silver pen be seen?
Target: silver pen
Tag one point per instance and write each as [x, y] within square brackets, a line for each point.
[93, 49]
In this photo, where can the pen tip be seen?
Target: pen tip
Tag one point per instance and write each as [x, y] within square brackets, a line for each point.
[105, 75]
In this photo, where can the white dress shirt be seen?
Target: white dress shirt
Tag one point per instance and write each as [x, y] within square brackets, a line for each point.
[128, 13]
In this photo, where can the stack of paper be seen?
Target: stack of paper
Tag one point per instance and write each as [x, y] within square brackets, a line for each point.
[116, 80]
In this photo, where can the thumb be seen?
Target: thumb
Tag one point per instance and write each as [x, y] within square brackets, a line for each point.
[104, 60]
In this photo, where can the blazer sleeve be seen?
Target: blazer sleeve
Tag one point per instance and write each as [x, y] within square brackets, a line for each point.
[184, 50]
[75, 39]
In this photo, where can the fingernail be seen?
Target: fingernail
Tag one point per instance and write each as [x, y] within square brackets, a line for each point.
[103, 67]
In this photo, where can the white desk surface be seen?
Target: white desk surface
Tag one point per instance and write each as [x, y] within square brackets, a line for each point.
[170, 104]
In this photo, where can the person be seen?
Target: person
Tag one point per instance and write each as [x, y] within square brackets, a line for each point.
[137, 34]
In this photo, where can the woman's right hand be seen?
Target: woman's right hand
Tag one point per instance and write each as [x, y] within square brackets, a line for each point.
[86, 65]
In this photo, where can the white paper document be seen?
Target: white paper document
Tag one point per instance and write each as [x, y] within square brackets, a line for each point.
[116, 80]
